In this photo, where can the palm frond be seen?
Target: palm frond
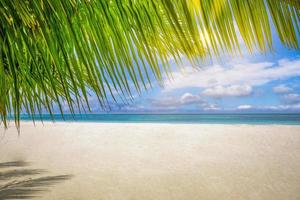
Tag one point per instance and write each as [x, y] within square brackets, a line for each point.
[54, 52]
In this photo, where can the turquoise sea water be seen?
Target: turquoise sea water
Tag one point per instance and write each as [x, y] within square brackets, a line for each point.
[289, 119]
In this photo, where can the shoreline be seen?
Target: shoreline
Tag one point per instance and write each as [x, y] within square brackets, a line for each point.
[47, 122]
[223, 119]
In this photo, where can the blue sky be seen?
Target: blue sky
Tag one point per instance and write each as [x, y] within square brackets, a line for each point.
[256, 82]
[250, 83]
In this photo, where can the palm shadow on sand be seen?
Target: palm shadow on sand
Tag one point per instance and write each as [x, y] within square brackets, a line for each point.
[18, 182]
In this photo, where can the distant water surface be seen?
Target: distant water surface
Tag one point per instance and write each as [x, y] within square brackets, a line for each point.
[289, 119]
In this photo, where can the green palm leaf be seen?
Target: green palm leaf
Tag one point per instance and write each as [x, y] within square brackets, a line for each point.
[57, 51]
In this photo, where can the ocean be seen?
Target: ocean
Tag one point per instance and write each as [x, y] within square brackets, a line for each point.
[288, 119]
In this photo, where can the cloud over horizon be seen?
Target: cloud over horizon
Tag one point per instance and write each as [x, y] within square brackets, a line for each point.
[245, 73]
[291, 98]
[244, 107]
[281, 89]
[229, 91]
[212, 87]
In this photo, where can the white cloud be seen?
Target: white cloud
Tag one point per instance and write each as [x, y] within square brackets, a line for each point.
[184, 100]
[282, 107]
[223, 91]
[209, 106]
[132, 108]
[189, 98]
[174, 102]
[281, 89]
[292, 98]
[244, 107]
[243, 73]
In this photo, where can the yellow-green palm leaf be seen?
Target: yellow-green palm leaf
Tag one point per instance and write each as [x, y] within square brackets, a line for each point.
[55, 51]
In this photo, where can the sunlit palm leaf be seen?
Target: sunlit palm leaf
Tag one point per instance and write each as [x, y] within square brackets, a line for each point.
[57, 51]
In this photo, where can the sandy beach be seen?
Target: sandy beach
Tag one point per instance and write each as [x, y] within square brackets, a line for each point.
[155, 161]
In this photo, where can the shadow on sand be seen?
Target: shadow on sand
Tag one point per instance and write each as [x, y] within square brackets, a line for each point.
[19, 183]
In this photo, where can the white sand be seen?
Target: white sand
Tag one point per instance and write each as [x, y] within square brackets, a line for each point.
[161, 161]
